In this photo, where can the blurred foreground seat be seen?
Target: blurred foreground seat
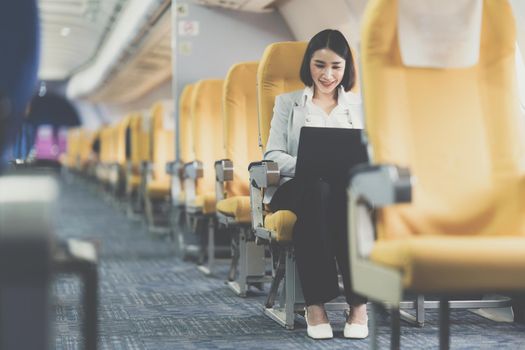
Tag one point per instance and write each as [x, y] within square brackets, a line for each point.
[442, 110]
[29, 258]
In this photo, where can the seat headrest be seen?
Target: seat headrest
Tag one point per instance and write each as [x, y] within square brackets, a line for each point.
[163, 117]
[278, 73]
[439, 33]
[240, 76]
[185, 98]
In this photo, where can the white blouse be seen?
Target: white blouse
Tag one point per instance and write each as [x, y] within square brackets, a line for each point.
[339, 117]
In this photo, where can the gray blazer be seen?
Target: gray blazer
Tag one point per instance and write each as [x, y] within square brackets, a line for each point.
[290, 114]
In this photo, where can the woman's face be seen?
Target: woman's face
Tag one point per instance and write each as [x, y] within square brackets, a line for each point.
[327, 70]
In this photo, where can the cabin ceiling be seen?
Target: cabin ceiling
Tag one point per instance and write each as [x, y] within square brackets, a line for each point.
[240, 5]
[72, 32]
[147, 65]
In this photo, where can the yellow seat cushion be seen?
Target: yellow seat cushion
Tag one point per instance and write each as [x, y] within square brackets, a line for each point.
[456, 264]
[206, 202]
[159, 188]
[281, 223]
[237, 207]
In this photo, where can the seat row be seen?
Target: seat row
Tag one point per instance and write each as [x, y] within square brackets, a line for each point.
[215, 181]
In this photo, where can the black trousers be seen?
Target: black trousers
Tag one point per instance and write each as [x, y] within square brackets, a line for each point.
[319, 237]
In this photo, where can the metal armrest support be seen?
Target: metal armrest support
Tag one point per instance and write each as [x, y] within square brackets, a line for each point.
[381, 185]
[224, 170]
[223, 173]
[175, 168]
[374, 186]
[263, 174]
[193, 170]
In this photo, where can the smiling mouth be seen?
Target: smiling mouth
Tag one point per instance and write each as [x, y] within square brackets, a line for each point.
[326, 83]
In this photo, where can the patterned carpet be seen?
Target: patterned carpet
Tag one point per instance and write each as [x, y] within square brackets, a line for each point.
[151, 300]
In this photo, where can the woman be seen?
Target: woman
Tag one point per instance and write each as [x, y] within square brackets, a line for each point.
[319, 236]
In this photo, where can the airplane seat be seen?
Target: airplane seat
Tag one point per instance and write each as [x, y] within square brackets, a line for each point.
[185, 145]
[182, 236]
[118, 165]
[144, 159]
[133, 163]
[78, 147]
[158, 184]
[199, 173]
[248, 263]
[518, 8]
[69, 158]
[84, 149]
[520, 71]
[240, 133]
[278, 73]
[208, 144]
[31, 256]
[444, 110]
[75, 145]
[92, 153]
[106, 155]
[162, 148]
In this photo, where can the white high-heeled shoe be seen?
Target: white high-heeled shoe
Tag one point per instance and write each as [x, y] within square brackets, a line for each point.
[320, 331]
[356, 331]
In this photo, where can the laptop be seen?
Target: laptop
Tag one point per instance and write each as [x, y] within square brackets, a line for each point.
[329, 153]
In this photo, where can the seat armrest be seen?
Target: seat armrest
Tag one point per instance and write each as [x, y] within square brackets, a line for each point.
[371, 187]
[223, 173]
[175, 168]
[224, 170]
[193, 170]
[264, 174]
[381, 185]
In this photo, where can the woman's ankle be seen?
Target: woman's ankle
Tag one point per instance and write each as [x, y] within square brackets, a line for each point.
[316, 314]
[358, 314]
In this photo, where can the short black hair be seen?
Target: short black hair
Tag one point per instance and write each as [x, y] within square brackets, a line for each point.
[334, 40]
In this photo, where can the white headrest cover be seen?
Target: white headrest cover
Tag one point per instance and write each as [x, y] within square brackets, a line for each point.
[439, 33]
[518, 7]
[520, 70]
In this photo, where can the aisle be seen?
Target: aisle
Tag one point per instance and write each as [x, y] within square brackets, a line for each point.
[151, 300]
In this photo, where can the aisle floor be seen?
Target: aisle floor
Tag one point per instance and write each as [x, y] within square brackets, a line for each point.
[151, 300]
